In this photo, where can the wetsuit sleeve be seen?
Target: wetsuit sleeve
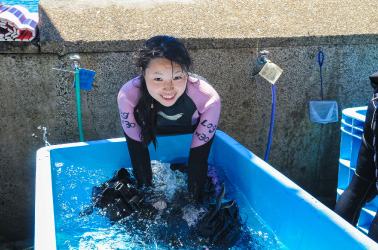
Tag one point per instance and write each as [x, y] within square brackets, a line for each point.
[127, 101]
[197, 170]
[208, 105]
[140, 160]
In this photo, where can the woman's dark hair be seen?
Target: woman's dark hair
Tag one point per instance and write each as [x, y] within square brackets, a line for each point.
[156, 47]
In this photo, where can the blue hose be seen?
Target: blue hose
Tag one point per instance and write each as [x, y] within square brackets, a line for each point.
[271, 122]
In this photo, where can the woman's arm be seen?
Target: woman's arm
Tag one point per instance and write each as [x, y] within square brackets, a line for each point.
[140, 160]
[140, 157]
[197, 170]
[128, 98]
[208, 105]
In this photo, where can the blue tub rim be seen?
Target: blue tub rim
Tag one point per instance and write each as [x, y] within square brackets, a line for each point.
[44, 215]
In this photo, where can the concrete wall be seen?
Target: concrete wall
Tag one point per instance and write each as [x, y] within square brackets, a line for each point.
[32, 94]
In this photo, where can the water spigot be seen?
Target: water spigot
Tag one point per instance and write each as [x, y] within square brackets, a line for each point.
[263, 57]
[75, 61]
[261, 60]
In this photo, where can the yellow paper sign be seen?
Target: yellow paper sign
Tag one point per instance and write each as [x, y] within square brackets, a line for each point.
[271, 72]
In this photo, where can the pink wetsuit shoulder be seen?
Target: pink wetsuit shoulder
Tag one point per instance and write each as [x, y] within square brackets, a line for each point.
[128, 98]
[208, 105]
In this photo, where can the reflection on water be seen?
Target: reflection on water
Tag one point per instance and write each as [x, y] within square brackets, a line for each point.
[166, 227]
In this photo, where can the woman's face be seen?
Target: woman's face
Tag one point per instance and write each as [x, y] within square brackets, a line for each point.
[166, 81]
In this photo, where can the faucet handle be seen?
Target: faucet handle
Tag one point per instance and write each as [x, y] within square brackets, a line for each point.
[263, 56]
[260, 61]
[75, 61]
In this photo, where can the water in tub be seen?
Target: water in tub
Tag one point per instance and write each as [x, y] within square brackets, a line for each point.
[166, 229]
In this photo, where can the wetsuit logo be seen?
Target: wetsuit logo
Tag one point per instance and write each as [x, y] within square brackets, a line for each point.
[170, 117]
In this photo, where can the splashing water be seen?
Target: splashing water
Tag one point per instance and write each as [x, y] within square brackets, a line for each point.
[166, 227]
[47, 144]
[166, 181]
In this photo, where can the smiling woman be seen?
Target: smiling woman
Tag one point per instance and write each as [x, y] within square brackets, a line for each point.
[164, 99]
[165, 81]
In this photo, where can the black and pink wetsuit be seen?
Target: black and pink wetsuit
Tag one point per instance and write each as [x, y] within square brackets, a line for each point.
[196, 111]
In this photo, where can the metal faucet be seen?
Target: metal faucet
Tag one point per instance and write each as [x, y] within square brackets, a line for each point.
[261, 60]
[75, 61]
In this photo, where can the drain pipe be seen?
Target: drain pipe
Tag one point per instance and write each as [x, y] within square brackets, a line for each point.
[76, 66]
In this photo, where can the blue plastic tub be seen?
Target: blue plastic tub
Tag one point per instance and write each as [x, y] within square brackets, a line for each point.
[352, 125]
[298, 220]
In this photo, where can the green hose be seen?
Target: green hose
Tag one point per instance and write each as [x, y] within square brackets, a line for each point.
[78, 103]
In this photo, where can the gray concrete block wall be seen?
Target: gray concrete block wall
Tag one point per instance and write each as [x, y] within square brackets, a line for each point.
[33, 95]
[306, 152]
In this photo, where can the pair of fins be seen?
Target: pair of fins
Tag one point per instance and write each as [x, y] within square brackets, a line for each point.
[222, 227]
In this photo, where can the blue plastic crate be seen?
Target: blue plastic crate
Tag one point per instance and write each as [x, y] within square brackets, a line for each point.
[366, 217]
[345, 174]
[352, 124]
[350, 145]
